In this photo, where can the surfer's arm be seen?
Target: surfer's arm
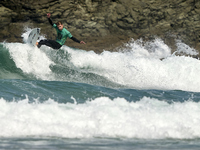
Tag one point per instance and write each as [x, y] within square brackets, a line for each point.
[50, 21]
[76, 40]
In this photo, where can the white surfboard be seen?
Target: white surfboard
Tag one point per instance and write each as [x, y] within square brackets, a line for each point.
[33, 36]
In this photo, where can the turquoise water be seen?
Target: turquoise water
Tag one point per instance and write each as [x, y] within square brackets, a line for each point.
[76, 99]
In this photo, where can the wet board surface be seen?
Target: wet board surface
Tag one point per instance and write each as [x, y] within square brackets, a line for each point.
[33, 36]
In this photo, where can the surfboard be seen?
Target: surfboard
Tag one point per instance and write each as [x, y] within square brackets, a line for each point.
[33, 36]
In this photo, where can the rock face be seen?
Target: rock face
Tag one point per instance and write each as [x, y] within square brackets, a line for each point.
[105, 24]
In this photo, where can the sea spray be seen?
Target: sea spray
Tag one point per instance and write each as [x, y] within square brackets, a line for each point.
[149, 49]
[184, 49]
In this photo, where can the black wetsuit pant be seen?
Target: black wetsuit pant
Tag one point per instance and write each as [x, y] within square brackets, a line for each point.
[51, 43]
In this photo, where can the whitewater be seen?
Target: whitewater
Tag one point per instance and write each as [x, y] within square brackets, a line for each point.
[142, 96]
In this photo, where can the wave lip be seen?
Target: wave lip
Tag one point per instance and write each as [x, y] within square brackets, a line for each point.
[31, 61]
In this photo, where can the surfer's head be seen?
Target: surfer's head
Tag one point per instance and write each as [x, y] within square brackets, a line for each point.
[59, 25]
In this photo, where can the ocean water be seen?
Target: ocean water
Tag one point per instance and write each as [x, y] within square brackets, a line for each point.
[141, 97]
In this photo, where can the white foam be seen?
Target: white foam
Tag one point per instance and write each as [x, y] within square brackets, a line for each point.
[30, 59]
[101, 117]
[139, 68]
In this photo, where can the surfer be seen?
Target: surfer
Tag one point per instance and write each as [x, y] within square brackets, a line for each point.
[62, 35]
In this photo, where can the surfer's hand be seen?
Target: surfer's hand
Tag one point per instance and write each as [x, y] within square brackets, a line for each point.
[48, 15]
[82, 42]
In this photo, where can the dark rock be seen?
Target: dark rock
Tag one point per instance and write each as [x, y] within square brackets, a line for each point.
[104, 24]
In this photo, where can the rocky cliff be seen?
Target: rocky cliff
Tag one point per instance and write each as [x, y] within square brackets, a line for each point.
[105, 24]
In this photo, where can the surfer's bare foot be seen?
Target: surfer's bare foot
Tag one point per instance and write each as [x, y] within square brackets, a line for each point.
[36, 43]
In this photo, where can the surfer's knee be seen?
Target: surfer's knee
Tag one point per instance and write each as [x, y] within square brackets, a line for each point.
[40, 43]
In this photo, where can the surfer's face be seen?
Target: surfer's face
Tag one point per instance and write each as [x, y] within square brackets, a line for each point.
[60, 26]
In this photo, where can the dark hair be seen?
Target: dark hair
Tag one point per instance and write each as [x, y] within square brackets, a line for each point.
[59, 23]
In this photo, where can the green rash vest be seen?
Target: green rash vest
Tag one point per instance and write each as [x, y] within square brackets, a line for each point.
[62, 35]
